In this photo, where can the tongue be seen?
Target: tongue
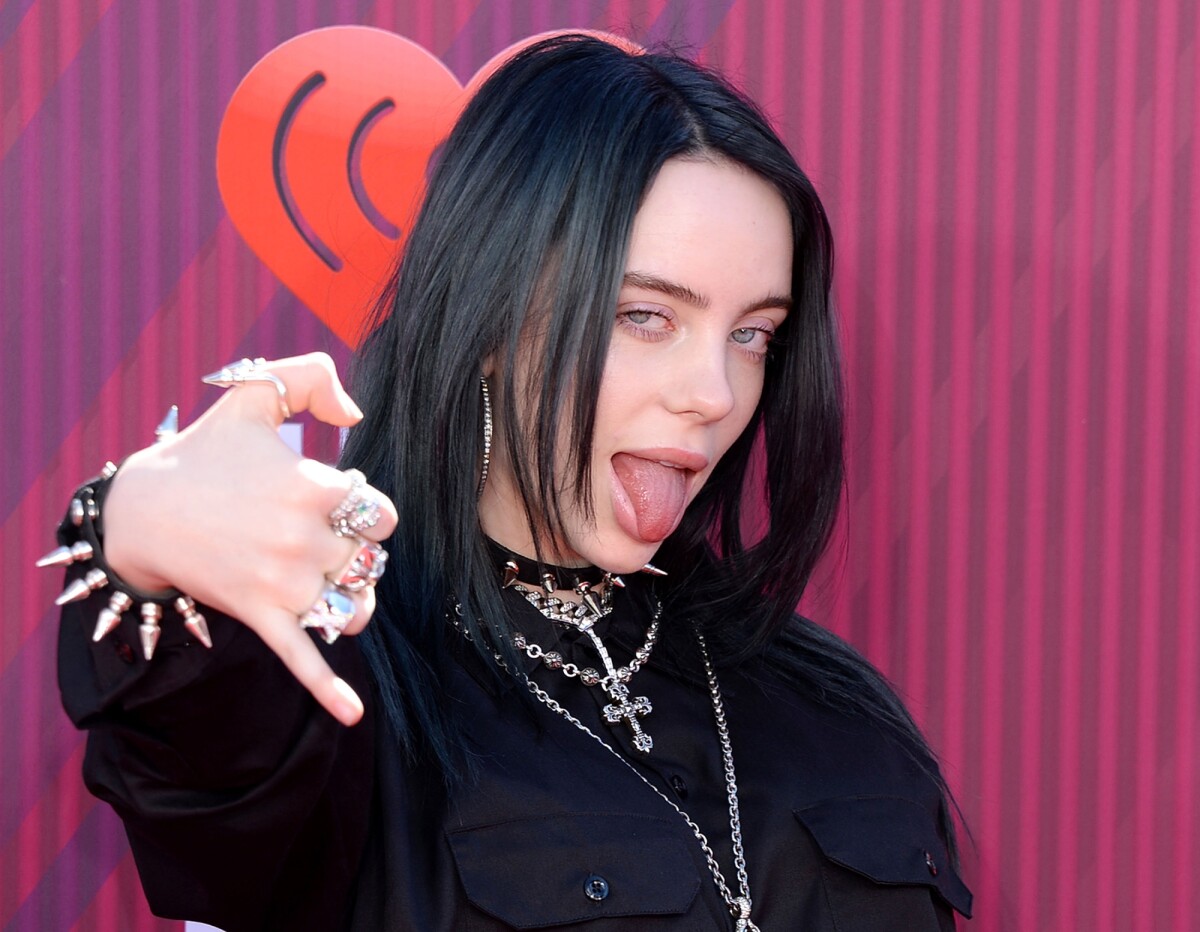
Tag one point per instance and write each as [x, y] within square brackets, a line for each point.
[656, 493]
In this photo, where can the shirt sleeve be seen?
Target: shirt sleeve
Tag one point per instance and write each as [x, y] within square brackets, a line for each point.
[244, 801]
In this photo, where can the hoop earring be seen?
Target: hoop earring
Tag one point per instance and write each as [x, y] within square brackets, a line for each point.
[487, 436]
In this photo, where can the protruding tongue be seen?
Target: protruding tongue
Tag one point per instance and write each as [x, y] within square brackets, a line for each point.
[656, 493]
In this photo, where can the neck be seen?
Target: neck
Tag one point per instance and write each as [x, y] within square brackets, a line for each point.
[531, 572]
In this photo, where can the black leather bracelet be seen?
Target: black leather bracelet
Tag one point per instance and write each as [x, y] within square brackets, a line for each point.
[81, 550]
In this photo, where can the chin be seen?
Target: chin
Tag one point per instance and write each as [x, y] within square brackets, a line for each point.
[626, 568]
[617, 552]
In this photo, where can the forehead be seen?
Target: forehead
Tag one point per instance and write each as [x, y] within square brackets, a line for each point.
[717, 228]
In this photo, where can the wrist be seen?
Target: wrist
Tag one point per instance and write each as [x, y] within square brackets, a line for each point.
[81, 537]
[120, 539]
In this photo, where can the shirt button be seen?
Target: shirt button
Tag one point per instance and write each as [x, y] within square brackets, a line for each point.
[679, 786]
[930, 863]
[596, 887]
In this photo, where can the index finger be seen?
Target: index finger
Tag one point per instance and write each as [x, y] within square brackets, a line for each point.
[281, 632]
[312, 384]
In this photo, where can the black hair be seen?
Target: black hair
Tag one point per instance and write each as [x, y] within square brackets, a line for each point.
[527, 218]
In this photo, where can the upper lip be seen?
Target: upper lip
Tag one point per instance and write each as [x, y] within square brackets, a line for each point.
[673, 456]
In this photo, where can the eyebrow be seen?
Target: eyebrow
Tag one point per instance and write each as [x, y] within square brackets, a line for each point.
[686, 294]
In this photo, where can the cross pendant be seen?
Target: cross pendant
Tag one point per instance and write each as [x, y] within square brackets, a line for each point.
[622, 707]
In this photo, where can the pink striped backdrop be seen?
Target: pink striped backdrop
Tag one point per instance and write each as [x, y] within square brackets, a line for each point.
[1015, 188]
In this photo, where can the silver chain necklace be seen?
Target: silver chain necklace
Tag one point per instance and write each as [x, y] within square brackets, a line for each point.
[615, 682]
[739, 906]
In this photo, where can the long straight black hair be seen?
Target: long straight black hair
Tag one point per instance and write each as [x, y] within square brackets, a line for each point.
[527, 219]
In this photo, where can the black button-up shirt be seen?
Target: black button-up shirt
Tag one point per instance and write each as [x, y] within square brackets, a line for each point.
[249, 807]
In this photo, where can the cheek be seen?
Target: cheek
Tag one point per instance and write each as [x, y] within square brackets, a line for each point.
[747, 386]
[622, 391]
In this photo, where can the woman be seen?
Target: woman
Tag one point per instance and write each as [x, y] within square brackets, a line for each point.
[609, 340]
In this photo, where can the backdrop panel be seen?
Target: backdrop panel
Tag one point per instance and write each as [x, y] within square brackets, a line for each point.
[1014, 189]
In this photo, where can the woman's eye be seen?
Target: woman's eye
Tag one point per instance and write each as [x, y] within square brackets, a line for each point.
[645, 321]
[751, 337]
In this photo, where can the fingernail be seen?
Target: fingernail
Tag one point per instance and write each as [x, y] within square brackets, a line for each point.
[354, 409]
[348, 707]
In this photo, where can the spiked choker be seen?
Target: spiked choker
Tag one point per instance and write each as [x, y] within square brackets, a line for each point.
[537, 574]
[538, 581]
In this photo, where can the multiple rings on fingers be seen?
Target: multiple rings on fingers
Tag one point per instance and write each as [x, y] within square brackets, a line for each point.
[250, 370]
[334, 608]
[359, 511]
[364, 569]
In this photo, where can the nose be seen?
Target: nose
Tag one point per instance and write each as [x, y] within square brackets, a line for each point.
[699, 383]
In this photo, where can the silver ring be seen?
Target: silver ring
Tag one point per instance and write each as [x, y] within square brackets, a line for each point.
[364, 569]
[359, 511]
[250, 370]
[330, 613]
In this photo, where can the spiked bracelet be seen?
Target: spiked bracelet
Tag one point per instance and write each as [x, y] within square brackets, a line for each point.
[80, 535]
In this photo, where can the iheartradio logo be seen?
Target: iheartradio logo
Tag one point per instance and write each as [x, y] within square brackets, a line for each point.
[322, 155]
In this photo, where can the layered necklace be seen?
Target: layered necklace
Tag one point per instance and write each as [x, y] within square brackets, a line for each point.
[739, 905]
[615, 680]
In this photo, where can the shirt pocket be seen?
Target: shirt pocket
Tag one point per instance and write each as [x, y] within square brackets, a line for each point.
[886, 867]
[554, 870]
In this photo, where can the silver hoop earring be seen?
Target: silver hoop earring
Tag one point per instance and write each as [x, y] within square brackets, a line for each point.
[487, 435]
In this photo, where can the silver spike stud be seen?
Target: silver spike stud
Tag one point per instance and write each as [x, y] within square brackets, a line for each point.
[110, 617]
[64, 556]
[549, 583]
[653, 570]
[615, 580]
[109, 470]
[149, 629]
[193, 620]
[510, 573]
[76, 512]
[82, 588]
[59, 556]
[168, 427]
[588, 597]
[93, 511]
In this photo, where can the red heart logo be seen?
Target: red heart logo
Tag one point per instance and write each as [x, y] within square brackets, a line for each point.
[322, 155]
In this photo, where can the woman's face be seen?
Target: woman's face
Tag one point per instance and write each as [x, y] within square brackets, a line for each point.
[708, 281]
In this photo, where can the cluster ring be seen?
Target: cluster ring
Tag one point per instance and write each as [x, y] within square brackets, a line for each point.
[332, 611]
[359, 510]
[364, 568]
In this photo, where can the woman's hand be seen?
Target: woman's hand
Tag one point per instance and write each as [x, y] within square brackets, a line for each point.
[227, 513]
